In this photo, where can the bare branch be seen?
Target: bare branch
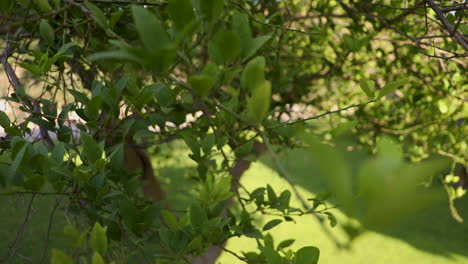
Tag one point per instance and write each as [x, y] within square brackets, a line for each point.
[12, 250]
[15, 83]
[450, 29]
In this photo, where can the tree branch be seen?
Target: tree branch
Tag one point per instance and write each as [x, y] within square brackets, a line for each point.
[15, 83]
[450, 29]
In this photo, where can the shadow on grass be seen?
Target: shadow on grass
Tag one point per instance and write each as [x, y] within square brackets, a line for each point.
[432, 230]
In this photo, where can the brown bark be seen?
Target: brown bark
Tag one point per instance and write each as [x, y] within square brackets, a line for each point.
[136, 158]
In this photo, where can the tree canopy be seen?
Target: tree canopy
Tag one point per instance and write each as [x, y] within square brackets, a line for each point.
[372, 90]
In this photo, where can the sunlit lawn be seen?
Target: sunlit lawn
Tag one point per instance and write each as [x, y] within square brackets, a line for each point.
[429, 237]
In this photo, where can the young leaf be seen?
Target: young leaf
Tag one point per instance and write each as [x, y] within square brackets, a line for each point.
[272, 224]
[73, 235]
[390, 87]
[170, 220]
[98, 238]
[253, 74]
[259, 104]
[58, 257]
[201, 84]
[151, 31]
[43, 5]
[256, 44]
[367, 87]
[307, 255]
[47, 32]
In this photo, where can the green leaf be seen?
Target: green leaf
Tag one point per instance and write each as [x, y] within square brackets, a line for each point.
[4, 119]
[58, 257]
[271, 255]
[43, 5]
[198, 216]
[272, 224]
[256, 44]
[98, 15]
[170, 219]
[229, 45]
[258, 104]
[58, 152]
[181, 12]
[91, 148]
[34, 182]
[285, 244]
[368, 87]
[201, 84]
[253, 74]
[98, 239]
[240, 25]
[6, 5]
[196, 243]
[116, 158]
[151, 31]
[56, 3]
[97, 259]
[47, 32]
[390, 87]
[307, 255]
[211, 9]
[79, 96]
[272, 198]
[74, 236]
[283, 200]
[160, 59]
[115, 18]
[332, 219]
[16, 163]
[93, 107]
[63, 50]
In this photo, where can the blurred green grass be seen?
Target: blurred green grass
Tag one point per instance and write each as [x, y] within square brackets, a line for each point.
[429, 237]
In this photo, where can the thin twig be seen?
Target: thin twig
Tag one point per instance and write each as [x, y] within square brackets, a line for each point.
[234, 254]
[12, 250]
[271, 25]
[49, 228]
[440, 13]
[319, 116]
[15, 83]
[283, 173]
